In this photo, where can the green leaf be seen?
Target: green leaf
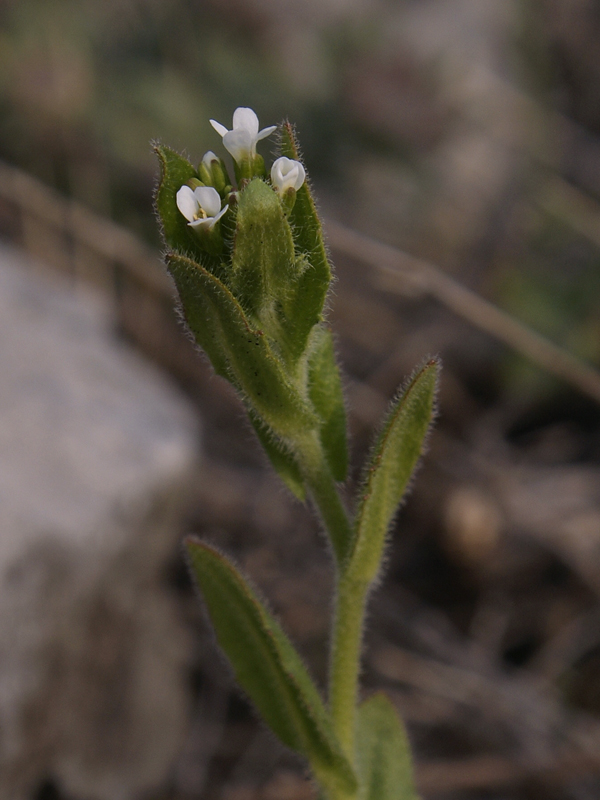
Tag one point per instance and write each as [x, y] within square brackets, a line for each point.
[176, 171]
[265, 269]
[263, 257]
[325, 389]
[383, 753]
[391, 464]
[268, 667]
[281, 459]
[314, 282]
[238, 351]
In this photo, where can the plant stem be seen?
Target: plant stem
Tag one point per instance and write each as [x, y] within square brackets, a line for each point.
[322, 486]
[345, 659]
[350, 598]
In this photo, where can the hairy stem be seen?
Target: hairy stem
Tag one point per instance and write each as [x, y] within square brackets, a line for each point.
[321, 484]
[351, 598]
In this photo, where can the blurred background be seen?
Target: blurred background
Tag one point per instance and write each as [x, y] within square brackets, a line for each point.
[465, 133]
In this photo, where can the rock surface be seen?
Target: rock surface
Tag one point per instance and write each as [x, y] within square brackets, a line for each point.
[96, 452]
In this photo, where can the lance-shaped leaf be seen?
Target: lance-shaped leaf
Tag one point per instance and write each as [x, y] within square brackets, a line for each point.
[391, 464]
[268, 667]
[325, 390]
[263, 257]
[220, 326]
[282, 461]
[264, 267]
[176, 171]
[383, 753]
[314, 282]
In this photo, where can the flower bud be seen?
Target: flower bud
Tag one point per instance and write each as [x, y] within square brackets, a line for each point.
[286, 173]
[287, 176]
[213, 172]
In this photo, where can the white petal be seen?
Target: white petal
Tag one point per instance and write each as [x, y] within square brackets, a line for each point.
[240, 143]
[277, 173]
[265, 132]
[300, 177]
[246, 119]
[208, 158]
[208, 199]
[220, 129]
[220, 214]
[202, 223]
[187, 203]
[286, 173]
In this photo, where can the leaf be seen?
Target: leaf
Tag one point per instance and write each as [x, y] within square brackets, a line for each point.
[314, 282]
[265, 269]
[391, 464]
[176, 171]
[263, 257]
[383, 753]
[281, 460]
[325, 390]
[236, 350]
[268, 667]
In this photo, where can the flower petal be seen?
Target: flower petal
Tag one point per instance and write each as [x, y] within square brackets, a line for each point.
[240, 143]
[245, 119]
[202, 223]
[286, 173]
[220, 129]
[208, 199]
[300, 177]
[265, 132]
[187, 203]
[220, 214]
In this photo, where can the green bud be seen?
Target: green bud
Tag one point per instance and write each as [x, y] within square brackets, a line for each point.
[213, 172]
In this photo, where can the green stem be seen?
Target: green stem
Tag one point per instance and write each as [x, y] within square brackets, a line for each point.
[323, 489]
[346, 648]
[350, 598]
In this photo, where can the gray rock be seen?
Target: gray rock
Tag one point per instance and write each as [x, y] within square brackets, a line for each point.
[97, 450]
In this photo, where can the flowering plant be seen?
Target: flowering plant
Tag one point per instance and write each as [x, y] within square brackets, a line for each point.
[252, 275]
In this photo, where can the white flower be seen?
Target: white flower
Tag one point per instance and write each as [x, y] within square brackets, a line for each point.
[201, 207]
[241, 141]
[287, 174]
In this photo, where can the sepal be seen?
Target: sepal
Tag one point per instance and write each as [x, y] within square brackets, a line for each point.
[213, 171]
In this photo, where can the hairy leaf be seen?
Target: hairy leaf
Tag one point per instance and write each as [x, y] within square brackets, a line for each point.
[176, 171]
[383, 753]
[313, 284]
[391, 464]
[238, 351]
[268, 667]
[325, 389]
[281, 460]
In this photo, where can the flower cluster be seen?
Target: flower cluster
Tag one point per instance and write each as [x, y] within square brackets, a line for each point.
[202, 203]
